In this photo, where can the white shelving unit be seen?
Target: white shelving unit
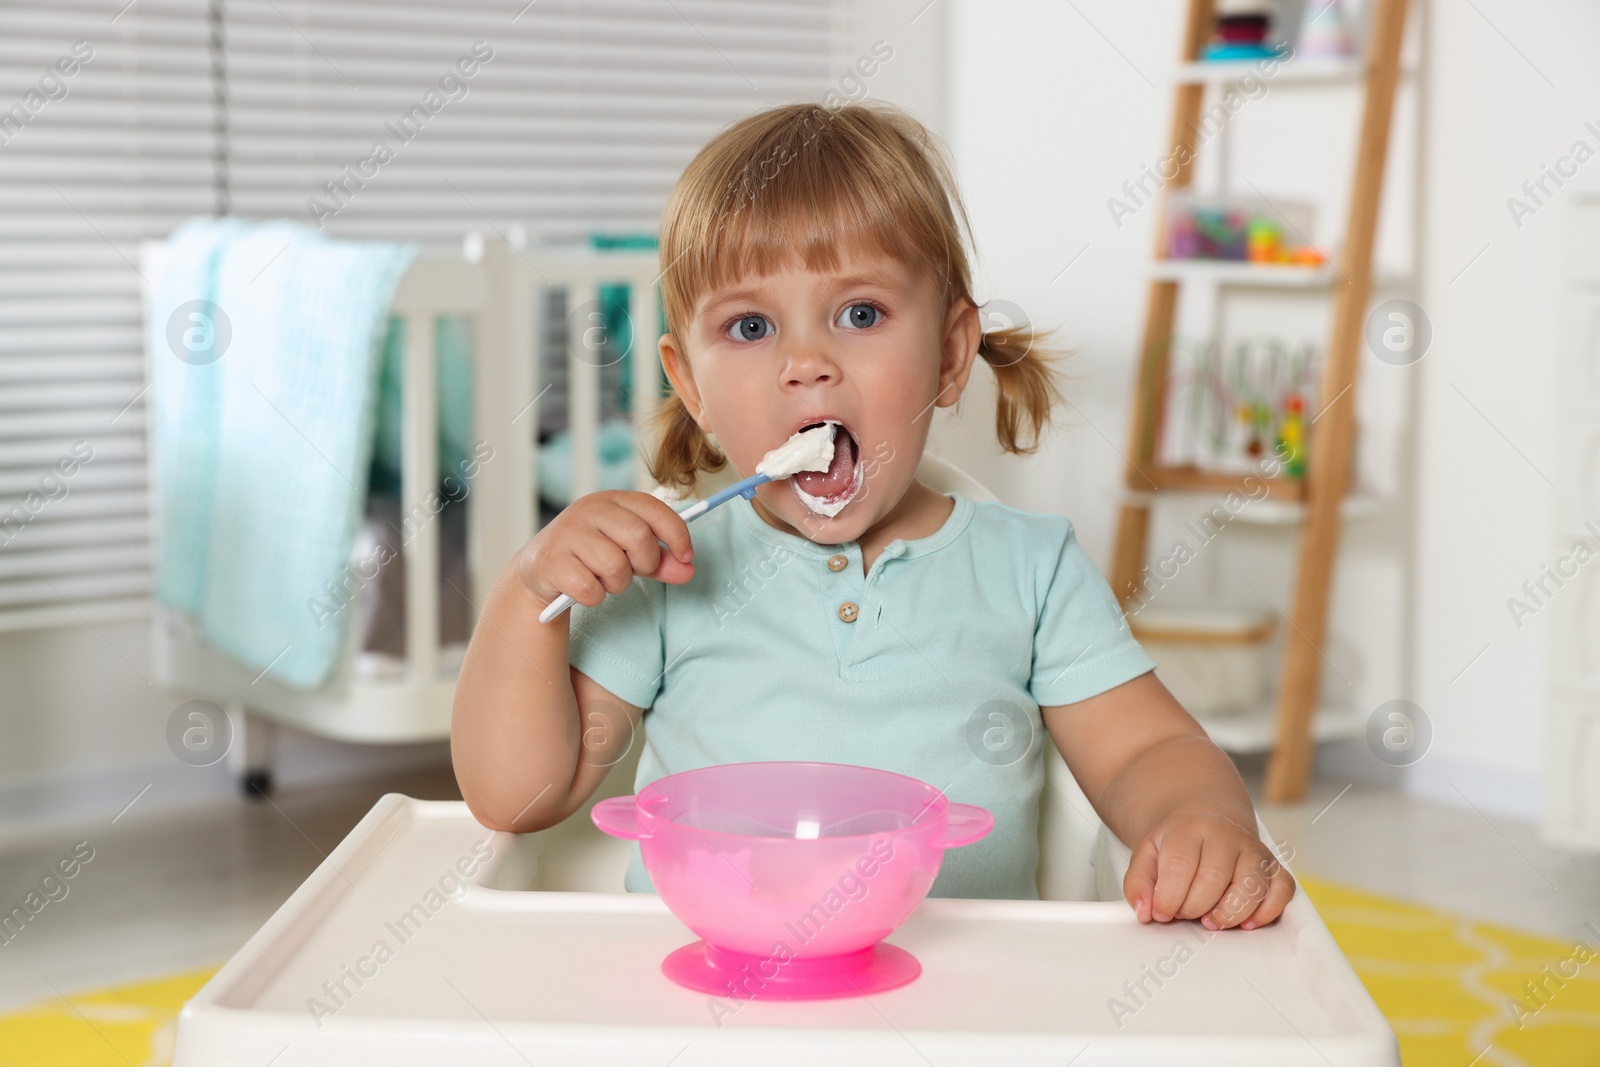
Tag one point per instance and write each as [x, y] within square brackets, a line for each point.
[1243, 275]
[1271, 512]
[1222, 294]
[1291, 71]
[1252, 732]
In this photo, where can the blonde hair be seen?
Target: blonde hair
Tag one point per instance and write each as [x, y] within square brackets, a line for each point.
[806, 180]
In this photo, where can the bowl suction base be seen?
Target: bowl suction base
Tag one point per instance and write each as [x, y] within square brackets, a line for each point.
[707, 969]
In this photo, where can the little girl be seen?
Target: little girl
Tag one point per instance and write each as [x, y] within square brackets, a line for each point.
[815, 272]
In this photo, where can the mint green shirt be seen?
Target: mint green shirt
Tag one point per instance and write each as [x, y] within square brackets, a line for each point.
[933, 665]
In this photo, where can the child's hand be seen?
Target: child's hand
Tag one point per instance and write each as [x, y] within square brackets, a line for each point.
[600, 541]
[1196, 864]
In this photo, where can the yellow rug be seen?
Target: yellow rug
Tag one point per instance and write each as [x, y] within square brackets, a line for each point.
[1445, 983]
[129, 1024]
[1448, 984]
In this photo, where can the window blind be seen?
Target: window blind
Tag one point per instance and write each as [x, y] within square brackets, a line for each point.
[383, 119]
[576, 115]
[107, 137]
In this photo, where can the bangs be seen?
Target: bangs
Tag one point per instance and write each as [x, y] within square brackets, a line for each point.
[808, 187]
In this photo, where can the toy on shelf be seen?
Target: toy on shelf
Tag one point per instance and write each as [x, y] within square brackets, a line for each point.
[1252, 231]
[1240, 31]
[1291, 437]
[1263, 240]
[1326, 35]
[1255, 420]
[1241, 411]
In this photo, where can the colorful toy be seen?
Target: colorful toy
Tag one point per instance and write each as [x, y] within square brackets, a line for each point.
[1327, 34]
[1291, 437]
[1240, 30]
[1240, 411]
[1257, 418]
[1262, 240]
[1253, 231]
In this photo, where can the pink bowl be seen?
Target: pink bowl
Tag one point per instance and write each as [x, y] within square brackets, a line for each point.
[791, 872]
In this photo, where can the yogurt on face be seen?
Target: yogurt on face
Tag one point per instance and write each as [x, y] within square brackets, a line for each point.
[821, 506]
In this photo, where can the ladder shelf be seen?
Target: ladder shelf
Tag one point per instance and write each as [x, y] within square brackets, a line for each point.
[1318, 499]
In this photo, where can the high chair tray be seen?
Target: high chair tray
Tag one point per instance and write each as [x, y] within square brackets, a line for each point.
[399, 949]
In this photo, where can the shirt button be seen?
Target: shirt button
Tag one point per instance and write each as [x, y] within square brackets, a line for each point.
[848, 611]
[838, 563]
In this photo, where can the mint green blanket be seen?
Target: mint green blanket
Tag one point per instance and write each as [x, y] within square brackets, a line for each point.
[264, 441]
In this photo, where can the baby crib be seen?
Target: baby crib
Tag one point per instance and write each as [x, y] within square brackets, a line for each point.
[378, 698]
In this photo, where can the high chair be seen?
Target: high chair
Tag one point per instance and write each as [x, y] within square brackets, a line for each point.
[424, 938]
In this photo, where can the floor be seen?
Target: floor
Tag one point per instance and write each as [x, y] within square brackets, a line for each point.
[177, 889]
[1457, 858]
[173, 889]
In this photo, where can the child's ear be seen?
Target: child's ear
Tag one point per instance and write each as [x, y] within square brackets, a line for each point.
[676, 363]
[962, 335]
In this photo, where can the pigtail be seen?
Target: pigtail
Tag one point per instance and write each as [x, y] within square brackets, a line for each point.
[1026, 387]
[682, 449]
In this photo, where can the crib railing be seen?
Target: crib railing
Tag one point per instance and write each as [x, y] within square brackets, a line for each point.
[500, 286]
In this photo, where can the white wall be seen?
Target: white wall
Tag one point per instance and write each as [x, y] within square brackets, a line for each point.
[1511, 88]
[72, 705]
[1048, 119]
[916, 76]
[85, 731]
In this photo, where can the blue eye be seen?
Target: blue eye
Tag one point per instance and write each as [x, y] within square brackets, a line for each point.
[749, 328]
[861, 316]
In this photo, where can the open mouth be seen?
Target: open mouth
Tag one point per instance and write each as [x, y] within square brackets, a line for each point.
[827, 492]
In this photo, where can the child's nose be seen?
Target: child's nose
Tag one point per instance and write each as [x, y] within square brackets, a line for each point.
[810, 362]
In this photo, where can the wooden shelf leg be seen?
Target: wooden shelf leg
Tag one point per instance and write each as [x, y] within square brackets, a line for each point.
[1144, 436]
[1333, 430]
[1144, 430]
[1133, 531]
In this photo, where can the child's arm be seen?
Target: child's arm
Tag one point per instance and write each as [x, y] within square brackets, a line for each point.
[530, 736]
[1157, 780]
